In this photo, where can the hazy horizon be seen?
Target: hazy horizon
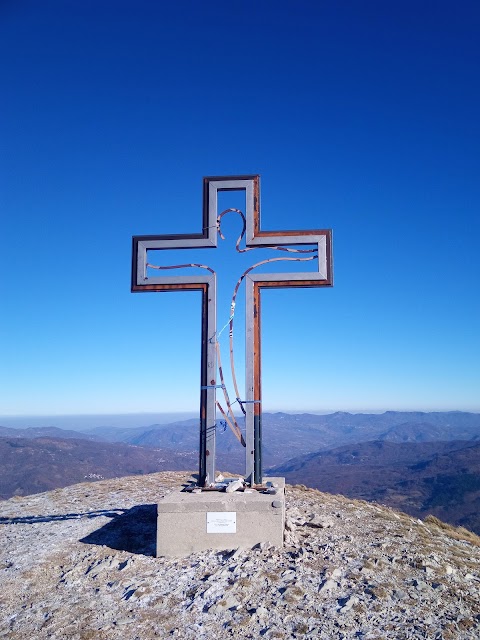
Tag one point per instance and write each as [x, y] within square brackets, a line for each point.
[127, 420]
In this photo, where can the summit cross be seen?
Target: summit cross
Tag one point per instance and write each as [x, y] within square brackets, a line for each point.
[255, 282]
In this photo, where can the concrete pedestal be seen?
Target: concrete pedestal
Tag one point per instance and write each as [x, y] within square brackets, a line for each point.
[190, 522]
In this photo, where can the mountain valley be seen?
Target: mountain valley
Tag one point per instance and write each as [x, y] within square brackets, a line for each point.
[417, 462]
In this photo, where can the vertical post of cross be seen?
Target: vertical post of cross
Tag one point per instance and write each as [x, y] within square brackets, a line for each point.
[321, 239]
[206, 284]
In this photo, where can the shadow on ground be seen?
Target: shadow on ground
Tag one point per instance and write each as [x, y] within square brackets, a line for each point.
[134, 531]
[109, 513]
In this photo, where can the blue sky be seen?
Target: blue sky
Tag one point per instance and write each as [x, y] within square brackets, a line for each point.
[359, 116]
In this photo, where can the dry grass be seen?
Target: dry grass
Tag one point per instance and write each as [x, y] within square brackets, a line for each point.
[457, 533]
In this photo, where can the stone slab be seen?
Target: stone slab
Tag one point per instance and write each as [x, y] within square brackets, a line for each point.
[190, 522]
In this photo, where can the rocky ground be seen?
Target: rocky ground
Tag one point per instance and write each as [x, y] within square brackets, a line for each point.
[78, 563]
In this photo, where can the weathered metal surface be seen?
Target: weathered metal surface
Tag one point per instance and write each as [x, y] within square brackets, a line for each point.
[208, 366]
[254, 238]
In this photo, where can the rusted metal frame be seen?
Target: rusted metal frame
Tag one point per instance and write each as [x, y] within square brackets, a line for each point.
[208, 378]
[253, 435]
[213, 184]
[255, 237]
[208, 369]
[143, 244]
[254, 285]
[141, 281]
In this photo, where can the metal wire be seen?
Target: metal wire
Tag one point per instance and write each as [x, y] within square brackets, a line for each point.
[181, 266]
[229, 415]
[244, 228]
[234, 297]
[235, 428]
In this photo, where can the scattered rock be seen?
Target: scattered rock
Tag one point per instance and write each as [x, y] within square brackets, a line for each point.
[327, 585]
[288, 575]
[323, 522]
[234, 486]
[342, 573]
[420, 585]
[348, 604]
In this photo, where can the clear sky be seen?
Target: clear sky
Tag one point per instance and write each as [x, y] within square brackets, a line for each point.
[362, 117]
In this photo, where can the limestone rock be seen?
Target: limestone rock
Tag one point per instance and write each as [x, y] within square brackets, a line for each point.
[323, 522]
[234, 486]
[79, 563]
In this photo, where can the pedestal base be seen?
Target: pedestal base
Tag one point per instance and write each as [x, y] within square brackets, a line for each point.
[190, 522]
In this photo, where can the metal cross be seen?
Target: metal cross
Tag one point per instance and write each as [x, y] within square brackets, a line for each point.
[255, 282]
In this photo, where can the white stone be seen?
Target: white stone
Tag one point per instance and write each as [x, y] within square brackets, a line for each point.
[327, 585]
[322, 522]
[352, 600]
[234, 486]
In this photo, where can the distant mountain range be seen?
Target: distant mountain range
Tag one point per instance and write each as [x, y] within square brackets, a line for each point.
[438, 478]
[419, 462]
[290, 435]
[285, 436]
[45, 432]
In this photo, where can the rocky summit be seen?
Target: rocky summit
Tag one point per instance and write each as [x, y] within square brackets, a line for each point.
[79, 563]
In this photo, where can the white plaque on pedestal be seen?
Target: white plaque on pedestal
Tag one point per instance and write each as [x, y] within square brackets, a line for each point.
[221, 522]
